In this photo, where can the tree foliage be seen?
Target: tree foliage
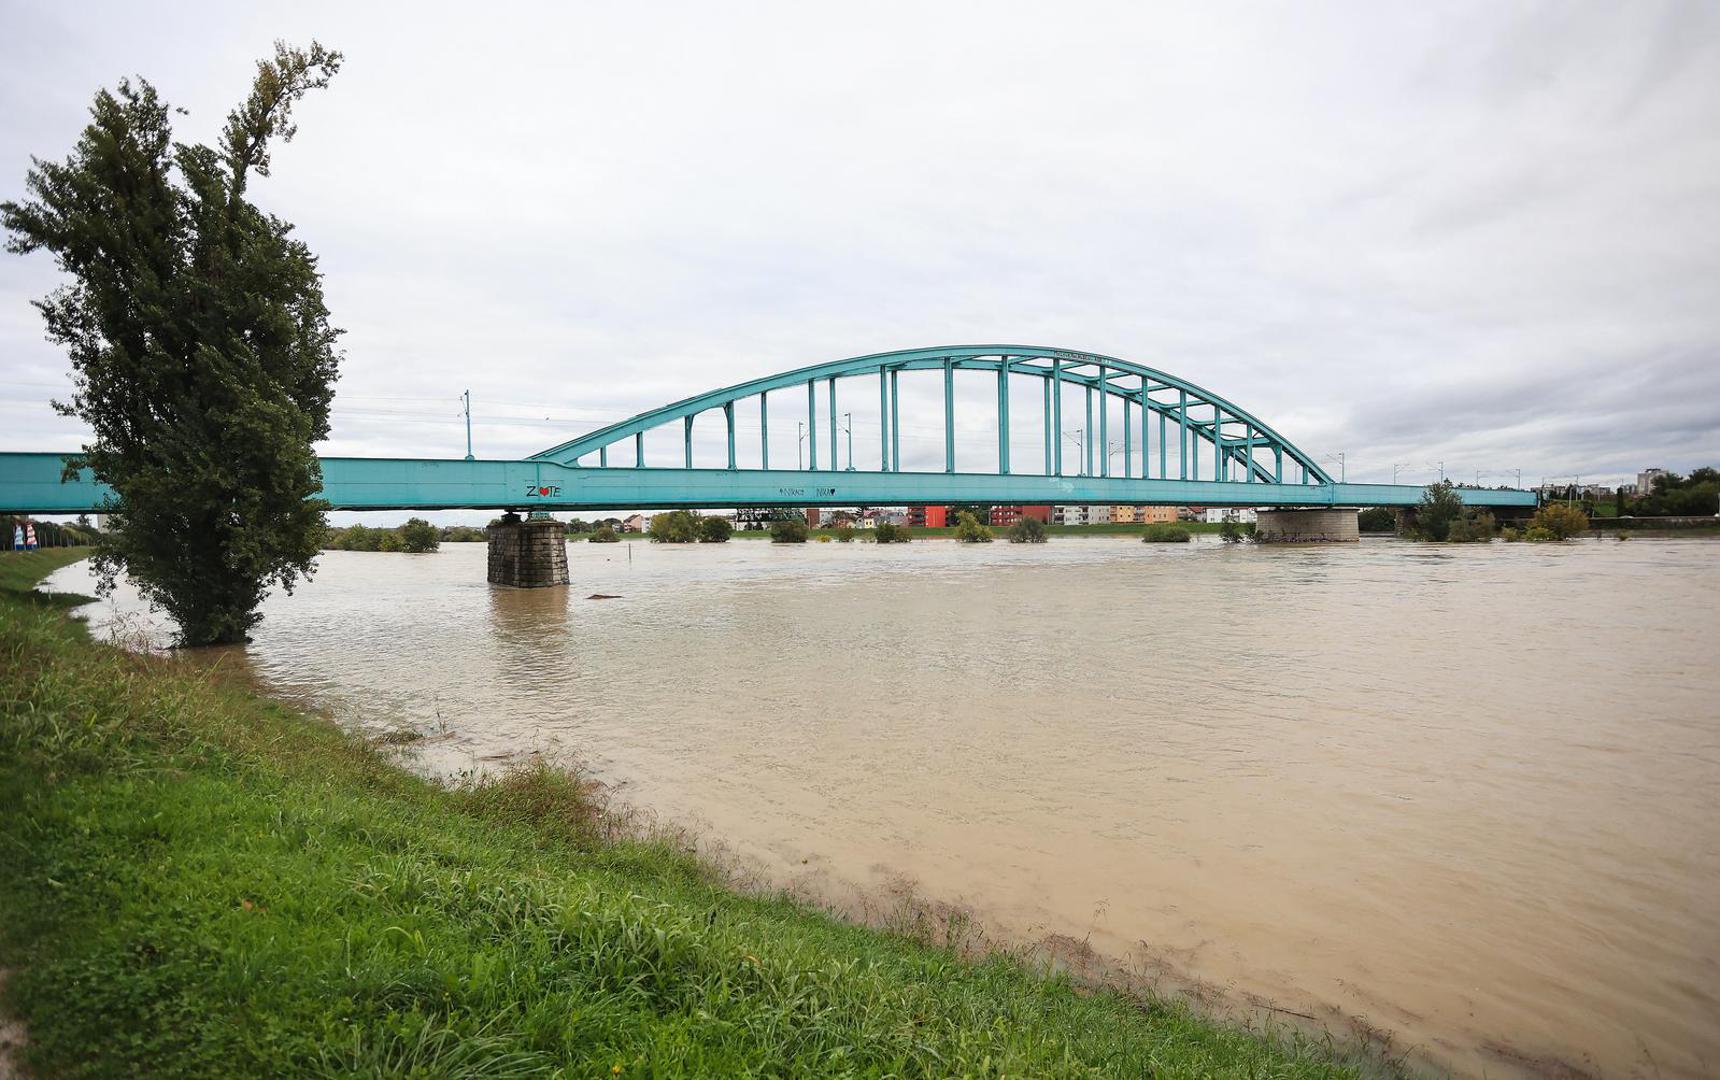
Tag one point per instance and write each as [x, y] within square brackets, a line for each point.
[1162, 533]
[788, 531]
[715, 530]
[1696, 495]
[1027, 530]
[888, 532]
[418, 535]
[201, 350]
[1474, 527]
[605, 534]
[970, 531]
[1376, 519]
[1557, 521]
[1440, 506]
[674, 527]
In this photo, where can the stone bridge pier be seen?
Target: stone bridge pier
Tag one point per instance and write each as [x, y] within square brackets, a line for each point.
[527, 554]
[1307, 526]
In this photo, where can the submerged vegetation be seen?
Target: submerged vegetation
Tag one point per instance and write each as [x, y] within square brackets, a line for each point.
[788, 531]
[970, 531]
[1165, 534]
[1027, 530]
[201, 881]
[888, 532]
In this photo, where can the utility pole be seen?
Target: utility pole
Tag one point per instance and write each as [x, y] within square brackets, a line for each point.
[1396, 465]
[848, 426]
[467, 398]
[800, 446]
[1079, 438]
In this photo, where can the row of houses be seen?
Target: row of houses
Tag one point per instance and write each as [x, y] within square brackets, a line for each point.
[938, 517]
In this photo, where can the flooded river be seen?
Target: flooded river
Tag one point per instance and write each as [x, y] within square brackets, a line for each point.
[1469, 796]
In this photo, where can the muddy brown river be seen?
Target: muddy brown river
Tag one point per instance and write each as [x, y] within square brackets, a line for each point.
[1465, 797]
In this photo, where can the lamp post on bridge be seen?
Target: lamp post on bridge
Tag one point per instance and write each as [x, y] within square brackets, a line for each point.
[848, 426]
[800, 446]
[1396, 465]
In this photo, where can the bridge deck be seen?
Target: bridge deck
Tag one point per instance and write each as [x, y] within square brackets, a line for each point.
[30, 483]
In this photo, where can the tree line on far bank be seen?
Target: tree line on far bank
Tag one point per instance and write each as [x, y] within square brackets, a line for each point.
[416, 536]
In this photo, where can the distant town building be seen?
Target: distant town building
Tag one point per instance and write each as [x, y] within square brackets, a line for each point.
[1242, 515]
[1645, 481]
[928, 517]
[634, 523]
[1081, 515]
[1005, 516]
[1142, 515]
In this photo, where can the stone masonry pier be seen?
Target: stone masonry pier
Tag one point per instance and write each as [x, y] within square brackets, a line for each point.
[528, 554]
[1306, 526]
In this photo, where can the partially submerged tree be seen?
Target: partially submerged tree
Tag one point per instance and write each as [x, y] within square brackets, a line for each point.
[202, 353]
[888, 532]
[1027, 530]
[418, 535]
[970, 531]
[674, 527]
[715, 530]
[1440, 506]
[1557, 521]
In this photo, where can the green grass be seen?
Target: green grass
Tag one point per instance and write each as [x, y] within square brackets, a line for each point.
[20, 571]
[202, 881]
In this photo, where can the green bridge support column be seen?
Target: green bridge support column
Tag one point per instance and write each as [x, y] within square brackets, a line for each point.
[812, 425]
[1003, 417]
[687, 440]
[764, 431]
[1087, 438]
[835, 461]
[729, 417]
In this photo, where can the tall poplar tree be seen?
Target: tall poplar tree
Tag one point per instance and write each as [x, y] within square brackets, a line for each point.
[202, 355]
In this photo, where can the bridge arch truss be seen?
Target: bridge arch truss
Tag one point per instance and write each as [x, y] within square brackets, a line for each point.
[1238, 446]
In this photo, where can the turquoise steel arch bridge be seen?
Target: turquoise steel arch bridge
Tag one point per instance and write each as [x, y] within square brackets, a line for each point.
[1181, 444]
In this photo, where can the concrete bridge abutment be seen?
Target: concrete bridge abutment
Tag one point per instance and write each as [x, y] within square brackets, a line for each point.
[527, 554]
[1335, 526]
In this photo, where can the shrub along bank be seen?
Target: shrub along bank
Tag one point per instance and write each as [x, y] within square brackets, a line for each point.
[202, 881]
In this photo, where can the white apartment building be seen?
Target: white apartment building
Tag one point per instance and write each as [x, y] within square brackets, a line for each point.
[1242, 515]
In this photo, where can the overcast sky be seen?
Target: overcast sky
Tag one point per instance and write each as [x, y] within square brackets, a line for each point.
[1486, 234]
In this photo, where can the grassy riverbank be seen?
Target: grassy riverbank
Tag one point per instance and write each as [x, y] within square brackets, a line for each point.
[202, 881]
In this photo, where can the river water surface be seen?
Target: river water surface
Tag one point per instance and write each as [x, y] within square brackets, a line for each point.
[1469, 796]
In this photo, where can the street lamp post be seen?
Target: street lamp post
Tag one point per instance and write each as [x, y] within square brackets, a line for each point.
[800, 445]
[467, 398]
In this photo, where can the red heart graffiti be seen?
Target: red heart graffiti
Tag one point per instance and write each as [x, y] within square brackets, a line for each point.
[543, 491]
